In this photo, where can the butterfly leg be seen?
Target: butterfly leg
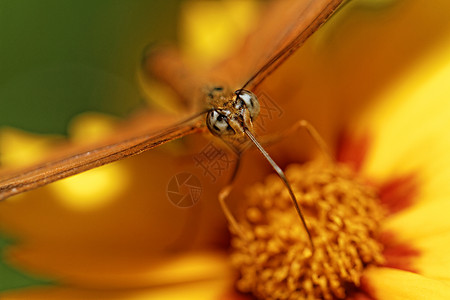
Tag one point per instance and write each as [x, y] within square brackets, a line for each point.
[223, 195]
[225, 192]
[315, 136]
[268, 140]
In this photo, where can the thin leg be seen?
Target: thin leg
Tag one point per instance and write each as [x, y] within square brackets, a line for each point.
[225, 192]
[316, 137]
[223, 195]
[267, 140]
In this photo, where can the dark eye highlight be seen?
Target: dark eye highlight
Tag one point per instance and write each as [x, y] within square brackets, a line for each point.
[248, 99]
[218, 123]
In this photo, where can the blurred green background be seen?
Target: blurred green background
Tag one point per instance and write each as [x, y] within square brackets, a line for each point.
[59, 58]
[62, 57]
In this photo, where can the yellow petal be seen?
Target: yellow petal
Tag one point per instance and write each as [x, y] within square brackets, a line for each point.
[91, 126]
[96, 188]
[19, 148]
[419, 221]
[392, 284]
[411, 127]
[206, 34]
[425, 230]
[434, 259]
[196, 276]
[201, 290]
[66, 230]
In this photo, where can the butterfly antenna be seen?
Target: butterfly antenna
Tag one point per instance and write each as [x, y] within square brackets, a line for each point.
[284, 179]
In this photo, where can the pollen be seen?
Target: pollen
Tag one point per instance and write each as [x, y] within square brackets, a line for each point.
[272, 252]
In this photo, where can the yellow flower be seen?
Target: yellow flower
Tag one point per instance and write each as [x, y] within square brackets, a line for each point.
[399, 143]
[382, 75]
[402, 255]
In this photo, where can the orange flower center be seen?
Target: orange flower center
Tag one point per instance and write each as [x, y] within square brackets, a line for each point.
[275, 260]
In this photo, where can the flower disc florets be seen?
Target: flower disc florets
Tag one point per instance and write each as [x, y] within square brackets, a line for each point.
[274, 255]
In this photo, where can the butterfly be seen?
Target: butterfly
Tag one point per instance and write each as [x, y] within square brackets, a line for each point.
[230, 108]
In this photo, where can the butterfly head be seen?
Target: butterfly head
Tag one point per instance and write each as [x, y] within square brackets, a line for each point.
[232, 116]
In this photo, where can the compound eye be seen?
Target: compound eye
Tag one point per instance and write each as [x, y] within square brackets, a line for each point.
[250, 101]
[218, 123]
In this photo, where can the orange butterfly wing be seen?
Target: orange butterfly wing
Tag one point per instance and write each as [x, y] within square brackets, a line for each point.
[283, 28]
[128, 141]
